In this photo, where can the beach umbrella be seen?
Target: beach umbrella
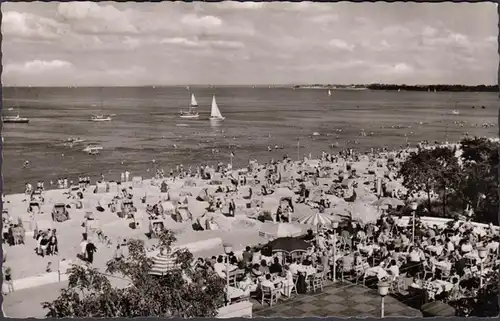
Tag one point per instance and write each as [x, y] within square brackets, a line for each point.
[162, 264]
[316, 219]
[438, 309]
[288, 244]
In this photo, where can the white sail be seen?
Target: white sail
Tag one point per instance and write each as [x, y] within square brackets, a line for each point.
[215, 113]
[194, 103]
[329, 92]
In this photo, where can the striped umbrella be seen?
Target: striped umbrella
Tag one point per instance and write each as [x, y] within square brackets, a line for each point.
[316, 219]
[162, 263]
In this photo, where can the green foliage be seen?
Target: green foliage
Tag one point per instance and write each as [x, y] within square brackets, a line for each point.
[473, 183]
[181, 292]
[429, 170]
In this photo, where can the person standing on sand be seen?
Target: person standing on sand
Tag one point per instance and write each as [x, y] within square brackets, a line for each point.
[127, 176]
[90, 249]
[8, 280]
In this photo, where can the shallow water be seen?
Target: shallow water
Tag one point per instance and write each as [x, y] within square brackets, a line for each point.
[146, 126]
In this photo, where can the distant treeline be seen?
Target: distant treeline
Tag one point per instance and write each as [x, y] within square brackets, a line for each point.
[456, 88]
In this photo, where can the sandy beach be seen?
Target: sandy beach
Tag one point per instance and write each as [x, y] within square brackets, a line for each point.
[239, 230]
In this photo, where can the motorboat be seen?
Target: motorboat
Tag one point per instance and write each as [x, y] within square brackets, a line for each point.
[455, 112]
[15, 119]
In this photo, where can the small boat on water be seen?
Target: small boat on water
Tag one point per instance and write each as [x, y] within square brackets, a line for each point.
[329, 92]
[92, 149]
[455, 112]
[215, 114]
[191, 113]
[73, 141]
[100, 118]
[15, 120]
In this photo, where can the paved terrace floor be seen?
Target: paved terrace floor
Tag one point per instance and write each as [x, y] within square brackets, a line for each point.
[336, 300]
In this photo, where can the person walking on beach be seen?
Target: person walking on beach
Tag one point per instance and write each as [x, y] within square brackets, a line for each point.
[8, 280]
[90, 249]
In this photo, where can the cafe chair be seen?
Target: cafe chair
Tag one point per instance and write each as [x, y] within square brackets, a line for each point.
[317, 281]
[269, 295]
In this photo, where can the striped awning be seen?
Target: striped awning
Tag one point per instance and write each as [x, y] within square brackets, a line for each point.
[162, 263]
[316, 219]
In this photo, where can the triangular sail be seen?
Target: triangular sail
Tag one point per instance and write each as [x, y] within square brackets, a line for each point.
[215, 113]
[194, 103]
[329, 92]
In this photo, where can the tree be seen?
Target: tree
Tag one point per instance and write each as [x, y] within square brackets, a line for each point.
[181, 292]
[430, 170]
[479, 186]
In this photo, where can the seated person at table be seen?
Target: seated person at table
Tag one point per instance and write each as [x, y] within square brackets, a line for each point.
[466, 247]
[309, 237]
[256, 270]
[263, 268]
[294, 267]
[267, 282]
[276, 266]
[393, 269]
[247, 255]
[246, 284]
[308, 261]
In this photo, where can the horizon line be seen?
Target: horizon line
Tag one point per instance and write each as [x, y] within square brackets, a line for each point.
[240, 85]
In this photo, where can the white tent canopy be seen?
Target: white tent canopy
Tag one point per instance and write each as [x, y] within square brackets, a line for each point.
[275, 230]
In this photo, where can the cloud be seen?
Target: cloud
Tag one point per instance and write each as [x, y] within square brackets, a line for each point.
[326, 18]
[90, 17]
[247, 5]
[197, 43]
[340, 44]
[25, 25]
[201, 22]
[429, 31]
[452, 38]
[38, 66]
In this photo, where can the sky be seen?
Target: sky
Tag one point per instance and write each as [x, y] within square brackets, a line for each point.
[233, 43]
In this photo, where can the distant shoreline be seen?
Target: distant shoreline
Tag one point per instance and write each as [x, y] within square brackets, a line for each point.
[382, 87]
[390, 87]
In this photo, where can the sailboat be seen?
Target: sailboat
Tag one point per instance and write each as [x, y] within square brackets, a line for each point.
[329, 92]
[101, 117]
[9, 119]
[215, 114]
[191, 113]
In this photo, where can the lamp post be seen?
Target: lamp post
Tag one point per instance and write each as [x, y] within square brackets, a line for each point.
[298, 149]
[335, 225]
[482, 252]
[413, 206]
[383, 290]
[227, 249]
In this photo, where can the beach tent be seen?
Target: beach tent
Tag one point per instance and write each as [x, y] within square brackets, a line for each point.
[203, 196]
[284, 192]
[364, 213]
[270, 204]
[182, 214]
[113, 187]
[137, 181]
[162, 264]
[166, 208]
[316, 219]
[100, 187]
[275, 230]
